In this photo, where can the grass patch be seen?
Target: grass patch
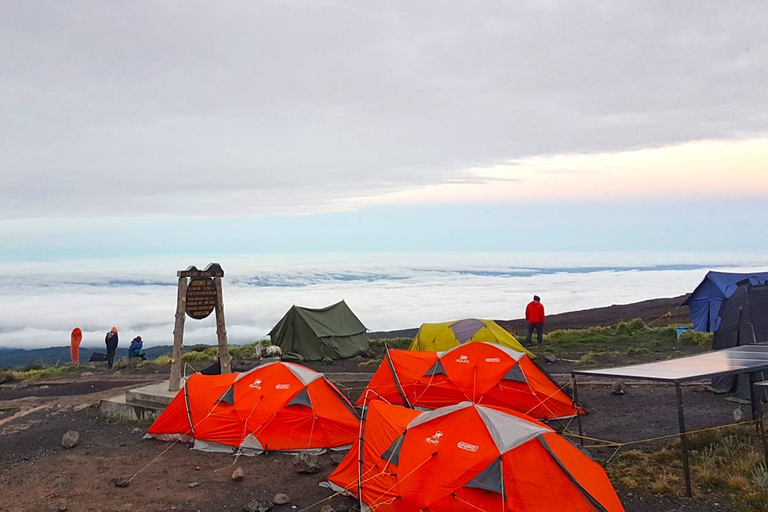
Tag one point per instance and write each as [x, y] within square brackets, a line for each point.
[727, 463]
[205, 353]
[44, 372]
[602, 345]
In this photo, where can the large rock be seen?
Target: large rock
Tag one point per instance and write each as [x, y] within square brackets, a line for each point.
[70, 439]
[281, 499]
[306, 462]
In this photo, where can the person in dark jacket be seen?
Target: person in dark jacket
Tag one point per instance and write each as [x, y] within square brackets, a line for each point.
[534, 315]
[137, 349]
[111, 341]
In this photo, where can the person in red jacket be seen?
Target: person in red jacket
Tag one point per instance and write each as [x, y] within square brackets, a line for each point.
[534, 315]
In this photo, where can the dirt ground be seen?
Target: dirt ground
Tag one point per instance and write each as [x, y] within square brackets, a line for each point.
[37, 474]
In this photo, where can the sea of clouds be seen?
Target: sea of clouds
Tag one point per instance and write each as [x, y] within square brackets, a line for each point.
[41, 301]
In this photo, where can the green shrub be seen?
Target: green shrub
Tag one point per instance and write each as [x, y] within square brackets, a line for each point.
[397, 343]
[696, 338]
[633, 326]
[200, 354]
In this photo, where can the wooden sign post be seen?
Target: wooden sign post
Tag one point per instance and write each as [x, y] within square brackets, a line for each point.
[199, 294]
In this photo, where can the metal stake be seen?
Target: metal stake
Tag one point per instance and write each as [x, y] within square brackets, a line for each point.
[683, 439]
[760, 420]
[576, 405]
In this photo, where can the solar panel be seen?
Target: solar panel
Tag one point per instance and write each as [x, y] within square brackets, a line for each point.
[730, 361]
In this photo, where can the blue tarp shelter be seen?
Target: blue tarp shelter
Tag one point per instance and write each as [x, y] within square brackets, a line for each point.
[706, 299]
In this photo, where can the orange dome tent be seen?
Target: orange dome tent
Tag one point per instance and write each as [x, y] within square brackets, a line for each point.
[483, 373]
[277, 406]
[468, 457]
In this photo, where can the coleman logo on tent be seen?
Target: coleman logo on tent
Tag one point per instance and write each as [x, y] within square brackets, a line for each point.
[256, 384]
[463, 358]
[467, 446]
[435, 439]
[282, 386]
[492, 359]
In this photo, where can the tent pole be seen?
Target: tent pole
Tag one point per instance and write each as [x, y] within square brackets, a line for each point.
[683, 439]
[363, 415]
[753, 397]
[576, 405]
[397, 379]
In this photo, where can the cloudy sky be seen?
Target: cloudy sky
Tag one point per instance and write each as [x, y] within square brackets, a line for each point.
[141, 127]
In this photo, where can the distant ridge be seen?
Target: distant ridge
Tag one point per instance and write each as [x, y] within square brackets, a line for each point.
[19, 357]
[649, 310]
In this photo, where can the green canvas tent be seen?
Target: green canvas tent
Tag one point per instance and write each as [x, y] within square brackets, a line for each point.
[333, 332]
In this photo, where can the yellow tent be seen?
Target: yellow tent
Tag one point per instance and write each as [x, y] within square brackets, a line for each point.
[446, 335]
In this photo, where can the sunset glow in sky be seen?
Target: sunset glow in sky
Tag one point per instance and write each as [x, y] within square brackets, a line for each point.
[695, 170]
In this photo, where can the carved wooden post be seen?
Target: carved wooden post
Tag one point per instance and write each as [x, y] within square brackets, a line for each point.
[174, 383]
[221, 328]
[198, 296]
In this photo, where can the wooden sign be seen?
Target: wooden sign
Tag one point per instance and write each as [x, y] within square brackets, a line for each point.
[212, 270]
[201, 297]
[199, 294]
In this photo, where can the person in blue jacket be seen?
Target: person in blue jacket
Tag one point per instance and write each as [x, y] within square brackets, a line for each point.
[137, 349]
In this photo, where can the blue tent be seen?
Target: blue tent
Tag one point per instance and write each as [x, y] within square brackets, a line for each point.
[706, 299]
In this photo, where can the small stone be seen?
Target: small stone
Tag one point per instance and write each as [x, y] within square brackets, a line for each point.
[306, 462]
[281, 499]
[120, 482]
[192, 485]
[550, 358]
[136, 430]
[617, 388]
[44, 387]
[738, 415]
[238, 474]
[327, 508]
[86, 374]
[257, 506]
[59, 506]
[23, 384]
[70, 439]
[197, 468]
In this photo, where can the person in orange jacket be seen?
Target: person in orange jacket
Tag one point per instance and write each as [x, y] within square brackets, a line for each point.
[534, 315]
[74, 349]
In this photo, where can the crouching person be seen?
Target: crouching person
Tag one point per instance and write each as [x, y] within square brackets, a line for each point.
[136, 350]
